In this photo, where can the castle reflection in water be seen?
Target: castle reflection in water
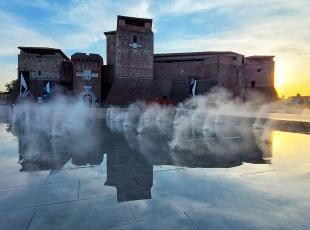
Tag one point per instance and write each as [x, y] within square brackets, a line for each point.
[130, 156]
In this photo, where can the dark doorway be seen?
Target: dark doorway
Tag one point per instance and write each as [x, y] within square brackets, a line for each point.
[88, 99]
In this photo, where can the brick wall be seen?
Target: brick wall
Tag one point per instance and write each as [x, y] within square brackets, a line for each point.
[110, 47]
[82, 62]
[130, 52]
[208, 68]
[128, 90]
[130, 61]
[260, 77]
[261, 71]
[41, 67]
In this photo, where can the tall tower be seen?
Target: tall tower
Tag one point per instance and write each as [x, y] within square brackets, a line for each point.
[130, 51]
[134, 48]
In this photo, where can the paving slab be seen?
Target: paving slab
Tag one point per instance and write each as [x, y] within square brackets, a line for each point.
[32, 196]
[97, 213]
[242, 218]
[180, 222]
[16, 219]
[151, 209]
[91, 188]
[19, 179]
[77, 174]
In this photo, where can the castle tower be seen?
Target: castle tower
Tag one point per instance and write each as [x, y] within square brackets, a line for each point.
[130, 51]
[87, 71]
[130, 48]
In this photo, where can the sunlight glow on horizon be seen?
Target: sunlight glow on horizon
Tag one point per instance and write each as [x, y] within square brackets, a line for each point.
[288, 81]
[279, 74]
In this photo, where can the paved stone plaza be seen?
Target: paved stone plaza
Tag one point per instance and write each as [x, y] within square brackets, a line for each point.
[131, 182]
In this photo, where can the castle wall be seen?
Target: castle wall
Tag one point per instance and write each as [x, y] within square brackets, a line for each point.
[231, 73]
[128, 90]
[261, 71]
[260, 76]
[42, 68]
[110, 38]
[130, 60]
[87, 73]
[173, 73]
[134, 59]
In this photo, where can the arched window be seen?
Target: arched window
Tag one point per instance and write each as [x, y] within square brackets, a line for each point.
[135, 39]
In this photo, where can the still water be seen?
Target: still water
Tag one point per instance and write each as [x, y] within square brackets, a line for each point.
[108, 176]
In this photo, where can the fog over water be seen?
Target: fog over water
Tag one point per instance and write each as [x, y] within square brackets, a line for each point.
[200, 125]
[206, 117]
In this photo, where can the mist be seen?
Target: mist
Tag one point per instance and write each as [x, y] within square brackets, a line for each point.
[60, 127]
[56, 118]
[215, 121]
[213, 117]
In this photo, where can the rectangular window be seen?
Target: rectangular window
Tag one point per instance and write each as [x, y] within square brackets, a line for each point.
[252, 84]
[39, 73]
[258, 70]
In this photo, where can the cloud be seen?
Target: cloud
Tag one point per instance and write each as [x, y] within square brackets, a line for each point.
[142, 9]
[41, 4]
[182, 7]
[273, 27]
[89, 19]
[237, 7]
[16, 33]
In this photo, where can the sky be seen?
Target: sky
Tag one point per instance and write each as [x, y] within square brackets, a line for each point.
[256, 27]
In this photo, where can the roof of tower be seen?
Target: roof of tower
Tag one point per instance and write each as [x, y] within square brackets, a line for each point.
[134, 18]
[255, 57]
[42, 51]
[109, 32]
[133, 22]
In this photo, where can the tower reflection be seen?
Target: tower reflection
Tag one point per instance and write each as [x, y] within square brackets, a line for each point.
[131, 156]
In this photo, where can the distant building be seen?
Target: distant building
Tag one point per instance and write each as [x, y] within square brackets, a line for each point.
[133, 72]
[299, 100]
[4, 97]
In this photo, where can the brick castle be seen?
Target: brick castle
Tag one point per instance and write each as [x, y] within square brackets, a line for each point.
[133, 72]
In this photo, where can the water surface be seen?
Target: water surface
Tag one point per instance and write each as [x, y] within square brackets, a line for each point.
[111, 176]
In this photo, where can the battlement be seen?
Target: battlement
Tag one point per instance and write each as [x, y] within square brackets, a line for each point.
[87, 57]
[124, 22]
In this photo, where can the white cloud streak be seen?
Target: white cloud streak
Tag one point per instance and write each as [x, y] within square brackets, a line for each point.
[15, 33]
